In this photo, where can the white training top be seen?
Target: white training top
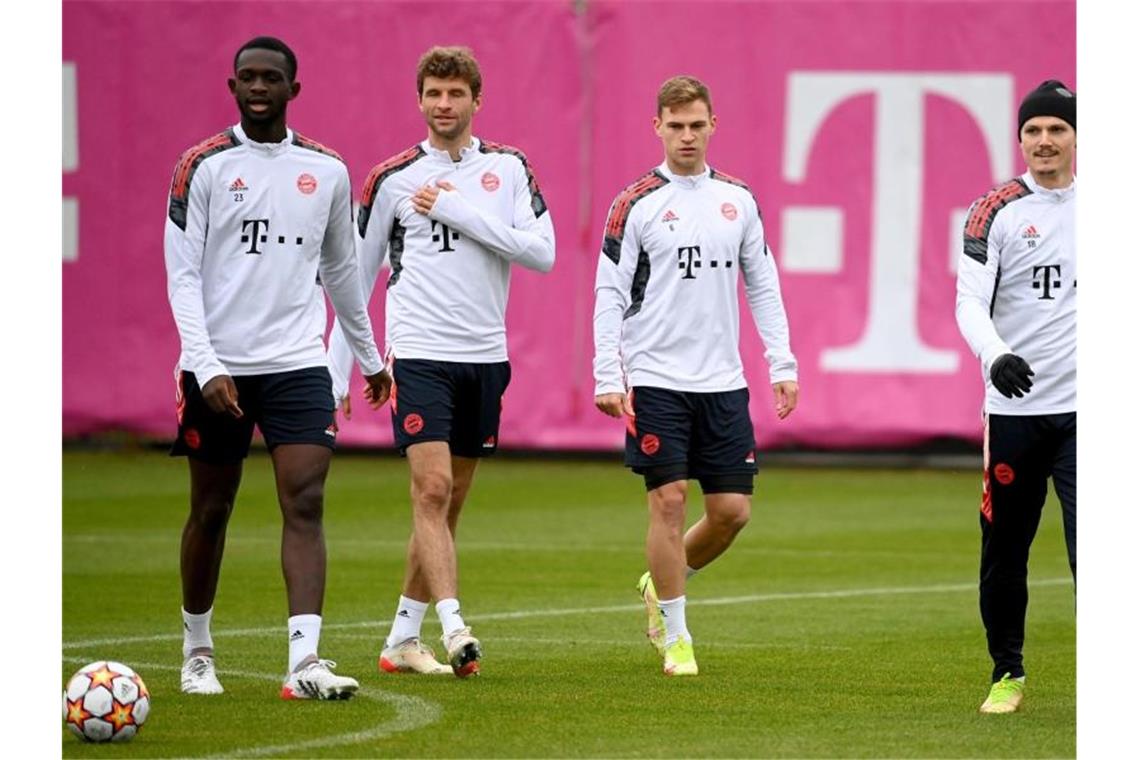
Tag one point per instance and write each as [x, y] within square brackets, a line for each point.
[666, 312]
[250, 227]
[1017, 291]
[450, 270]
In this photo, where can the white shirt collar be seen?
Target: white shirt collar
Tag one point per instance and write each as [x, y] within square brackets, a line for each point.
[266, 147]
[685, 180]
[473, 147]
[1060, 193]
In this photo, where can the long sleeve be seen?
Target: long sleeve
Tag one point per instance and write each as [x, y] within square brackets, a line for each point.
[978, 268]
[528, 241]
[340, 276]
[371, 245]
[614, 279]
[184, 246]
[762, 290]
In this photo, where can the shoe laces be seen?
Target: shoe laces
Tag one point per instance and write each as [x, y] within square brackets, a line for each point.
[1006, 687]
[199, 666]
[318, 664]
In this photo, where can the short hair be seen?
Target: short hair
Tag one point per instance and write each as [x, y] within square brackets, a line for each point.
[270, 43]
[680, 90]
[449, 63]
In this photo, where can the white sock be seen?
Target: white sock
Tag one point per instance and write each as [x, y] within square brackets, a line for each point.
[673, 610]
[304, 635]
[196, 632]
[690, 572]
[449, 618]
[408, 621]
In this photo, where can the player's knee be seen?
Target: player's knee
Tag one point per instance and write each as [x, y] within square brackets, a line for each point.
[667, 502]
[304, 503]
[732, 517]
[432, 491]
[211, 515]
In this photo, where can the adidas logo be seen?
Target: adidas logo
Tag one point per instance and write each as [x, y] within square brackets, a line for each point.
[238, 186]
[1030, 232]
[751, 458]
[670, 216]
[489, 443]
[296, 635]
[185, 625]
[403, 614]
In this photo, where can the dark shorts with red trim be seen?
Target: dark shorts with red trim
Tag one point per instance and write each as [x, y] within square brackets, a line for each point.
[457, 402]
[287, 407]
[708, 434]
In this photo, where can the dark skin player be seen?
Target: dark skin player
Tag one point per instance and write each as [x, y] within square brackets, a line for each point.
[262, 87]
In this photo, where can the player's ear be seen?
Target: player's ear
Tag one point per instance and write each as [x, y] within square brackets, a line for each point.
[477, 102]
[712, 123]
[657, 126]
[294, 90]
[232, 85]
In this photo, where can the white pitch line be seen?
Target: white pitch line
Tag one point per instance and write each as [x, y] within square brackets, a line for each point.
[522, 614]
[411, 713]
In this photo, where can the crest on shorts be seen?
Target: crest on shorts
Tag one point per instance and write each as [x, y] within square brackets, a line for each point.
[650, 444]
[413, 424]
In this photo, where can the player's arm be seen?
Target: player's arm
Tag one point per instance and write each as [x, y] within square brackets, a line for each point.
[613, 281]
[340, 276]
[762, 290]
[184, 244]
[528, 240]
[978, 267]
[370, 235]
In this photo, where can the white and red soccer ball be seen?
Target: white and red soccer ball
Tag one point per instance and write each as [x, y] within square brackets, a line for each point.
[105, 701]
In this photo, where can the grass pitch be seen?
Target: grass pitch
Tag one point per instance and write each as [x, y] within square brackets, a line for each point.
[842, 623]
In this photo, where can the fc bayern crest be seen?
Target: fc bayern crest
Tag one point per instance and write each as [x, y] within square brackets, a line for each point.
[728, 211]
[307, 183]
[490, 182]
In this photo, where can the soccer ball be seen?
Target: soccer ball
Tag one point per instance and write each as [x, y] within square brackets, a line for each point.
[105, 701]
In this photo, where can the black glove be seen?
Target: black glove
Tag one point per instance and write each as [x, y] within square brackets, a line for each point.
[1010, 375]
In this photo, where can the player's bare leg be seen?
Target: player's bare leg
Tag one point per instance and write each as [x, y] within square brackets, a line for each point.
[300, 470]
[213, 488]
[725, 516]
[432, 548]
[665, 551]
[404, 650]
[664, 544]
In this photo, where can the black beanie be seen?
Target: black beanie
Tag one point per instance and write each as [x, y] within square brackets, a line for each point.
[1051, 98]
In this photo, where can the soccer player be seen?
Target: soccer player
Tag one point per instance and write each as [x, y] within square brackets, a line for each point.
[1017, 309]
[666, 335]
[449, 215]
[260, 219]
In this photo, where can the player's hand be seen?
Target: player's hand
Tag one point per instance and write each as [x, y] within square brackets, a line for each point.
[379, 388]
[222, 397]
[787, 396]
[424, 199]
[1010, 375]
[614, 404]
[346, 406]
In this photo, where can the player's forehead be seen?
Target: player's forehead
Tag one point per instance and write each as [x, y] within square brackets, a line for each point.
[685, 113]
[448, 84]
[1044, 122]
[262, 59]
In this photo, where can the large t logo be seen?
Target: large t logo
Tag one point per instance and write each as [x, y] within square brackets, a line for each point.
[254, 231]
[813, 235]
[689, 258]
[446, 236]
[1043, 280]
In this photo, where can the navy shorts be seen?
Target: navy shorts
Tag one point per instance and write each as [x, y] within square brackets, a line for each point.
[287, 407]
[457, 402]
[707, 436]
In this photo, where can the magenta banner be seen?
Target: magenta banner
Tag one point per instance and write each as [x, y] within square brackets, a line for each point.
[865, 129]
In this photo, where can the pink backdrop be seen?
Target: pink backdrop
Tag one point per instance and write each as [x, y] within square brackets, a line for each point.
[864, 129]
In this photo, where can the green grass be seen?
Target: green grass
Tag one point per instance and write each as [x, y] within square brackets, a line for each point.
[894, 665]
